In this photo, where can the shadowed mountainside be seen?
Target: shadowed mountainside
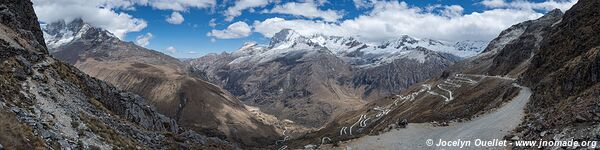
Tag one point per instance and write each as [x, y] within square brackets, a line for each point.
[163, 80]
[565, 75]
[466, 90]
[49, 104]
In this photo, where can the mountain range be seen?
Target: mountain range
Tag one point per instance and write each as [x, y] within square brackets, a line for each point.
[462, 93]
[70, 85]
[311, 79]
[161, 79]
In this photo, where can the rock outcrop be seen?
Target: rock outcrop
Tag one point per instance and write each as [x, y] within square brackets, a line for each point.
[565, 75]
[51, 104]
[161, 79]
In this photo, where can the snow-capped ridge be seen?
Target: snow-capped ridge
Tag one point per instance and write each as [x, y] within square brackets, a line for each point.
[349, 48]
[286, 38]
[60, 33]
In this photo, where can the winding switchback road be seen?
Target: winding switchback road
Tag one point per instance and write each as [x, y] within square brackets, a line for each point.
[494, 125]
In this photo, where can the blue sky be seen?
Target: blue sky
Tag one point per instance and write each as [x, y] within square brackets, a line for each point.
[372, 21]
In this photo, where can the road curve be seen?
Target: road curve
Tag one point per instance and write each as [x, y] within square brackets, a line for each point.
[494, 125]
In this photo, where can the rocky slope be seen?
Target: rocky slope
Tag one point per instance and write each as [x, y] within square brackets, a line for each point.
[511, 52]
[564, 74]
[465, 90]
[48, 104]
[312, 79]
[163, 80]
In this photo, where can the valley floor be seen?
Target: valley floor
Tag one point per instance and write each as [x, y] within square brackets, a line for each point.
[494, 125]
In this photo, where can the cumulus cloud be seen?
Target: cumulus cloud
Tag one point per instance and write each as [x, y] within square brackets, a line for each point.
[389, 20]
[526, 5]
[493, 3]
[98, 13]
[175, 18]
[212, 22]
[452, 10]
[104, 14]
[176, 5]
[241, 5]
[236, 30]
[144, 40]
[171, 50]
[307, 9]
[363, 3]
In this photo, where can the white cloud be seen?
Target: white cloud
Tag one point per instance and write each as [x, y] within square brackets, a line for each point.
[177, 5]
[271, 26]
[493, 3]
[363, 3]
[175, 18]
[307, 9]
[212, 22]
[104, 14]
[144, 40]
[118, 23]
[192, 52]
[526, 5]
[241, 5]
[236, 30]
[452, 10]
[171, 50]
[389, 20]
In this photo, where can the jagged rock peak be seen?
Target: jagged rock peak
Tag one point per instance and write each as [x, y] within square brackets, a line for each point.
[285, 38]
[62, 32]
[55, 27]
[554, 13]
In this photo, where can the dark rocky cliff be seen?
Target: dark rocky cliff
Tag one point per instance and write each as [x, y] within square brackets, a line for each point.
[64, 108]
[19, 16]
[520, 50]
[565, 77]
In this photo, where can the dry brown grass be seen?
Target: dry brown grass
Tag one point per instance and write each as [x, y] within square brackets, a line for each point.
[469, 102]
[15, 135]
[110, 135]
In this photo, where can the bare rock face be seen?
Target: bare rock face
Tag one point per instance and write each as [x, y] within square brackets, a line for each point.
[382, 81]
[163, 80]
[58, 106]
[516, 54]
[17, 15]
[564, 75]
[510, 53]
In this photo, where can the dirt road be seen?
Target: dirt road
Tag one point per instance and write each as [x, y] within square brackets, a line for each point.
[494, 125]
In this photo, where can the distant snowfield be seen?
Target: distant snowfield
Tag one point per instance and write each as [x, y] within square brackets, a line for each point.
[288, 42]
[491, 126]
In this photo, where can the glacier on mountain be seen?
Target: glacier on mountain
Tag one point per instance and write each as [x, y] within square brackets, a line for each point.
[358, 53]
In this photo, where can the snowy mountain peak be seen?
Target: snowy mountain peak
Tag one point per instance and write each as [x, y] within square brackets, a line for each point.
[286, 38]
[249, 48]
[462, 49]
[249, 44]
[59, 33]
[398, 42]
[471, 46]
[288, 41]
